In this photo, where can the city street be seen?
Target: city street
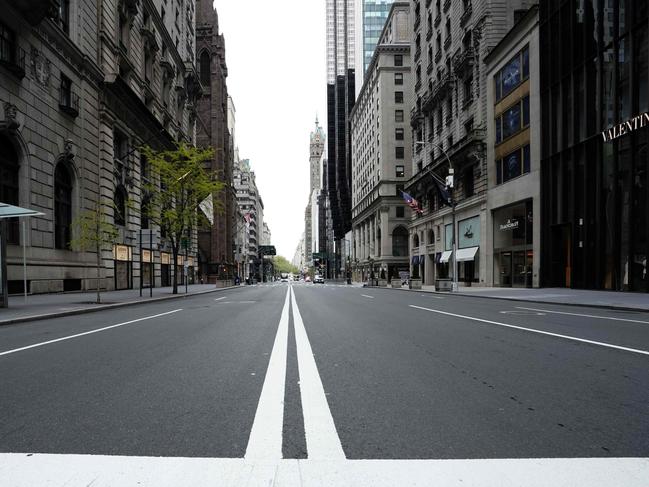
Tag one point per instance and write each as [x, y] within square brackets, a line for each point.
[304, 384]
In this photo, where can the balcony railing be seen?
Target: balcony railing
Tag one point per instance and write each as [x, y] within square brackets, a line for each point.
[69, 102]
[463, 60]
[447, 5]
[438, 19]
[12, 58]
[438, 55]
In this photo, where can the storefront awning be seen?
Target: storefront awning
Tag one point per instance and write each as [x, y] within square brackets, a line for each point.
[446, 256]
[464, 255]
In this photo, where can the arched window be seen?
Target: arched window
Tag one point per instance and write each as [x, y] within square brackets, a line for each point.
[400, 242]
[120, 206]
[206, 68]
[62, 206]
[9, 188]
[431, 237]
[415, 240]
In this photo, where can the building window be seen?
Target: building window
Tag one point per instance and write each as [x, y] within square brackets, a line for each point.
[513, 120]
[399, 152]
[398, 133]
[512, 74]
[399, 189]
[7, 45]
[400, 211]
[400, 242]
[513, 165]
[119, 202]
[398, 78]
[398, 115]
[468, 182]
[398, 60]
[9, 188]
[400, 171]
[398, 96]
[63, 16]
[431, 237]
[62, 206]
[206, 68]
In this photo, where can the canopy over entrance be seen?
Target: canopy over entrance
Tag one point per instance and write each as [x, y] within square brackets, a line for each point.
[11, 211]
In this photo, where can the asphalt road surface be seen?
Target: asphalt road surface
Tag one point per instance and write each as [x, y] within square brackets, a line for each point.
[304, 384]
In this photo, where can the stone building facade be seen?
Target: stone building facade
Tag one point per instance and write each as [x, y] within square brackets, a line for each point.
[214, 108]
[450, 42]
[311, 213]
[381, 152]
[77, 105]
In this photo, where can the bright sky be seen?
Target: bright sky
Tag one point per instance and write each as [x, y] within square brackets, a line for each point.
[275, 51]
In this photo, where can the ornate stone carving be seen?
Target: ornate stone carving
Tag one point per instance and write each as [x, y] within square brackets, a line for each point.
[41, 67]
[10, 122]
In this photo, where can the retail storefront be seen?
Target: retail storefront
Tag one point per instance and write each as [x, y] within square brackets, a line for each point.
[513, 245]
[468, 270]
[146, 264]
[123, 261]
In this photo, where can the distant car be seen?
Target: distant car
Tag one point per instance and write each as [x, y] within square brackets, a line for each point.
[284, 276]
[318, 280]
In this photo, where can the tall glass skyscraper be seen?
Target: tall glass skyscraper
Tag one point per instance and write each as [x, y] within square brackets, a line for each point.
[375, 12]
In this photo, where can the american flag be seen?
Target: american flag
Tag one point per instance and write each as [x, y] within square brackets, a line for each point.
[412, 203]
[247, 217]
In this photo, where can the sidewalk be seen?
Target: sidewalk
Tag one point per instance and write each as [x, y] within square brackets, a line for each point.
[572, 297]
[43, 306]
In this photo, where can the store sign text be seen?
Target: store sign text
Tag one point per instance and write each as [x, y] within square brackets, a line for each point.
[626, 127]
[510, 225]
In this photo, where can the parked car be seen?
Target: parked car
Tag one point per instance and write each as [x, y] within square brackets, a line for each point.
[318, 280]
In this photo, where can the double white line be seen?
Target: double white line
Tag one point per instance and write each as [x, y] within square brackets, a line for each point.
[265, 442]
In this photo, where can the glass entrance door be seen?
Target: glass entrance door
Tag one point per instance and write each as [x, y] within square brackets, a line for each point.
[506, 269]
[519, 269]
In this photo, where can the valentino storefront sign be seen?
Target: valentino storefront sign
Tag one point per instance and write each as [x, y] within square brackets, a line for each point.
[627, 127]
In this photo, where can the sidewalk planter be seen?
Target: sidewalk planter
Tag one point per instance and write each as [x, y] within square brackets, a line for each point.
[383, 283]
[444, 285]
[414, 284]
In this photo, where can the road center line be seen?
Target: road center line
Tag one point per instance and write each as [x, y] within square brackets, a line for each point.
[585, 316]
[583, 340]
[219, 299]
[86, 333]
[322, 441]
[366, 296]
[265, 441]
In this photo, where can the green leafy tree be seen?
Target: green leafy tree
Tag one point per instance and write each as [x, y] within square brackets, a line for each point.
[95, 232]
[178, 182]
[281, 264]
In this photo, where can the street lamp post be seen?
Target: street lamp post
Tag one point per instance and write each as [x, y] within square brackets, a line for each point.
[449, 184]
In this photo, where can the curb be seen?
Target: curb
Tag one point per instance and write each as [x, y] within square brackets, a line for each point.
[523, 300]
[81, 311]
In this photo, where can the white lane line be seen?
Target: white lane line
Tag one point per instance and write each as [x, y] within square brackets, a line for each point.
[23, 470]
[86, 333]
[219, 299]
[366, 296]
[585, 316]
[265, 441]
[583, 340]
[322, 441]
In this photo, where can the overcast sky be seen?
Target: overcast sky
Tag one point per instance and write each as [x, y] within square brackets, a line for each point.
[275, 51]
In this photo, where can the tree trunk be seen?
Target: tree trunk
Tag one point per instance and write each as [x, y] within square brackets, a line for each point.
[98, 272]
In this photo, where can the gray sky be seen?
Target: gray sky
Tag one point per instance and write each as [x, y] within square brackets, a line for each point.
[275, 51]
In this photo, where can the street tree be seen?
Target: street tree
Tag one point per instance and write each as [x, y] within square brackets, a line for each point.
[282, 264]
[95, 231]
[177, 183]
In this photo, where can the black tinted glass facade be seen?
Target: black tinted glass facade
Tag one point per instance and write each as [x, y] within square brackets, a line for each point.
[595, 78]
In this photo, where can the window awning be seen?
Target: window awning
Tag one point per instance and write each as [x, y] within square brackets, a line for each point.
[464, 255]
[11, 211]
[446, 256]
